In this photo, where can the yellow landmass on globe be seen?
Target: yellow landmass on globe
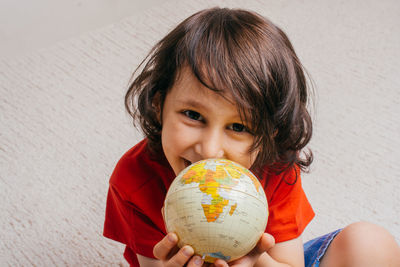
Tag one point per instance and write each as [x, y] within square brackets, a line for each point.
[210, 182]
[233, 208]
[196, 174]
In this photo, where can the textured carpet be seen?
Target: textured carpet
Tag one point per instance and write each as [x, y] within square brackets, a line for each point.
[63, 125]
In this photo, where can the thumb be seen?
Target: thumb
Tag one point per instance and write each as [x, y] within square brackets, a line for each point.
[265, 243]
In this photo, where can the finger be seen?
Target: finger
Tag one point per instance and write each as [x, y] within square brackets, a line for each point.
[195, 261]
[265, 243]
[181, 257]
[163, 248]
[220, 263]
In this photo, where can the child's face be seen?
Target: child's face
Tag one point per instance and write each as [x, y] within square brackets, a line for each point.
[198, 123]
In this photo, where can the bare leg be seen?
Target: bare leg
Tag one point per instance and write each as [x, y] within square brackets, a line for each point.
[362, 244]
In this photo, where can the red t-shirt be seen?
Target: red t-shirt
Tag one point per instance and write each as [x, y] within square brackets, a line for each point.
[137, 191]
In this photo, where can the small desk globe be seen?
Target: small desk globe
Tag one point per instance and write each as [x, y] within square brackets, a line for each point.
[218, 207]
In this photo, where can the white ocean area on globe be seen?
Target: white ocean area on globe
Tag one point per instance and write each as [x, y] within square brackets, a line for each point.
[211, 165]
[225, 193]
[206, 199]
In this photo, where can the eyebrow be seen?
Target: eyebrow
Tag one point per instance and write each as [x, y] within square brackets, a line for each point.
[192, 103]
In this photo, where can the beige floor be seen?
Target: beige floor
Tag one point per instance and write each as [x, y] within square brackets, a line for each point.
[26, 25]
[63, 125]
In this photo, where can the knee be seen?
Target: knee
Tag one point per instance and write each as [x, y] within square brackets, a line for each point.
[370, 244]
[368, 235]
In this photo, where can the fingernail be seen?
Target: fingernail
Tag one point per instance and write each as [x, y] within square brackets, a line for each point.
[188, 251]
[172, 238]
[198, 261]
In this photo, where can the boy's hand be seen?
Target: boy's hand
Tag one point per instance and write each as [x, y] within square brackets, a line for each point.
[265, 243]
[168, 252]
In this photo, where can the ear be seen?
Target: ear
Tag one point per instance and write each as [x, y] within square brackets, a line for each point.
[157, 107]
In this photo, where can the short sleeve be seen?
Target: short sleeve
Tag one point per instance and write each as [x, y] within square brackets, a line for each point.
[118, 219]
[125, 223]
[289, 209]
[135, 198]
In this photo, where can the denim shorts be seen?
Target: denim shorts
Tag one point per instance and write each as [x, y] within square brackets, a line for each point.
[316, 248]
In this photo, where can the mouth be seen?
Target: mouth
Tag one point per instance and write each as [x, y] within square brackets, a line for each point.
[187, 162]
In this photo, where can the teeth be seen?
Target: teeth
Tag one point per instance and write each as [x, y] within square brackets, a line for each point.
[187, 162]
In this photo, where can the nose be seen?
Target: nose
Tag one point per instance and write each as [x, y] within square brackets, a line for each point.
[210, 144]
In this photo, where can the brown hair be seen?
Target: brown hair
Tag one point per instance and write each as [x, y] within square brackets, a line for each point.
[245, 54]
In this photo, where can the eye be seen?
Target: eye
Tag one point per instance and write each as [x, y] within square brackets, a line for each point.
[192, 115]
[237, 127]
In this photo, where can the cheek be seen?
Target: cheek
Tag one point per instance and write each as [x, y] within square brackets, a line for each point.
[176, 137]
[240, 152]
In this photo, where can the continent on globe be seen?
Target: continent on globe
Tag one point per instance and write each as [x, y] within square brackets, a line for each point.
[218, 207]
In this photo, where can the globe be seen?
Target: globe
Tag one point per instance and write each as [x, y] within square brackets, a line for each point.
[218, 207]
